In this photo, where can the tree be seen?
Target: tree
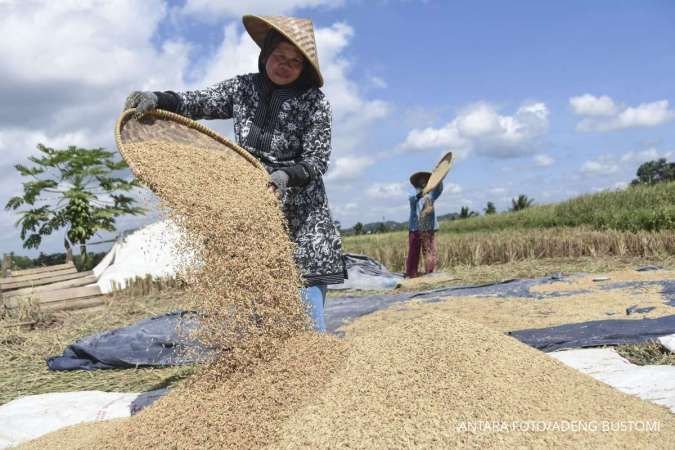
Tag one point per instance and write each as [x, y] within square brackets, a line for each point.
[521, 202]
[657, 171]
[490, 208]
[381, 228]
[76, 188]
[465, 213]
[358, 228]
[338, 225]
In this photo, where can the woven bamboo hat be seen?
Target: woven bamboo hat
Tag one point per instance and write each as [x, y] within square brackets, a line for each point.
[419, 179]
[300, 32]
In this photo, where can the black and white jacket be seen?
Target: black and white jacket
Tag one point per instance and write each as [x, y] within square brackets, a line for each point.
[286, 129]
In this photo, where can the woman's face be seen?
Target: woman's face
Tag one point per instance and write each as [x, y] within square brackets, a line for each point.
[285, 64]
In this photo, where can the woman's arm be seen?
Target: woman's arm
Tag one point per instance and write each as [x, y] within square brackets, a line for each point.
[316, 148]
[438, 190]
[214, 102]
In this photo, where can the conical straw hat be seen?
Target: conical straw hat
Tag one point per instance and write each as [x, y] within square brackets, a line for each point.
[419, 179]
[297, 30]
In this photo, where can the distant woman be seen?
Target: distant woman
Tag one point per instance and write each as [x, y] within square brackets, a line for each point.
[283, 119]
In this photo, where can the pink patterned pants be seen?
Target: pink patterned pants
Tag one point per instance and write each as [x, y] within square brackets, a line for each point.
[424, 242]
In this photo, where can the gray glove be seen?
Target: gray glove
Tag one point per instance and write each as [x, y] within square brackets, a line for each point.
[142, 101]
[279, 179]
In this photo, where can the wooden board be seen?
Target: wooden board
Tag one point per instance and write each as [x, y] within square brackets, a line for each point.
[18, 273]
[37, 276]
[91, 279]
[69, 305]
[43, 281]
[56, 295]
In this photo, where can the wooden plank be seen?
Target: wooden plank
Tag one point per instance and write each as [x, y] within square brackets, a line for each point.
[91, 279]
[37, 276]
[18, 273]
[68, 305]
[43, 281]
[18, 324]
[6, 265]
[54, 296]
[72, 293]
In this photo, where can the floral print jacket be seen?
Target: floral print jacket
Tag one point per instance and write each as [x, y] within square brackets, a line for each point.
[290, 130]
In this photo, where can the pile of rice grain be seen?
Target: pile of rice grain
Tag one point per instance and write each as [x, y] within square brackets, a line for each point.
[421, 379]
[249, 285]
[418, 378]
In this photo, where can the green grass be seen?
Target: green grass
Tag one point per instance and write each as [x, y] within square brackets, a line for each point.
[640, 208]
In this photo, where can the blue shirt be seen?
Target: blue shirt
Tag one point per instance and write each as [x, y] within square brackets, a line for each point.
[416, 205]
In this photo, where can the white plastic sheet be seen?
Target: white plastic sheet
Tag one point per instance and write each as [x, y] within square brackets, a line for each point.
[668, 342]
[32, 416]
[156, 249]
[653, 383]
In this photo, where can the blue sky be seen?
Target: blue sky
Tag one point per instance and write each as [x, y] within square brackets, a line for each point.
[548, 99]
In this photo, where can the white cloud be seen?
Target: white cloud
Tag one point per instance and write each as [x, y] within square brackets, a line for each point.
[77, 74]
[348, 168]
[604, 114]
[87, 42]
[353, 114]
[213, 10]
[446, 137]
[451, 188]
[600, 166]
[590, 105]
[387, 191]
[497, 190]
[543, 160]
[67, 86]
[625, 164]
[377, 82]
[480, 128]
[650, 154]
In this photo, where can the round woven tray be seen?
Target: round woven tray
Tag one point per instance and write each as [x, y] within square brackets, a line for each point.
[164, 126]
[440, 171]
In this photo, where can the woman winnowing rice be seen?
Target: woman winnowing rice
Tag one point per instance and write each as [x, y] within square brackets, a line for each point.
[283, 119]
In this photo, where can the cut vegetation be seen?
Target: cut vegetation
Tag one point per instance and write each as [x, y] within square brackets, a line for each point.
[638, 221]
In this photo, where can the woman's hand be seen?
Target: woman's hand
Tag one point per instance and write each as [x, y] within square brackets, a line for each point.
[142, 102]
[278, 183]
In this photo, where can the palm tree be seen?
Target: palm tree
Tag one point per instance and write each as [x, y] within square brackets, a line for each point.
[465, 213]
[490, 208]
[521, 203]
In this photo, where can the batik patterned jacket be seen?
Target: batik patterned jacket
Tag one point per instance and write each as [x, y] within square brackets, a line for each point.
[290, 130]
